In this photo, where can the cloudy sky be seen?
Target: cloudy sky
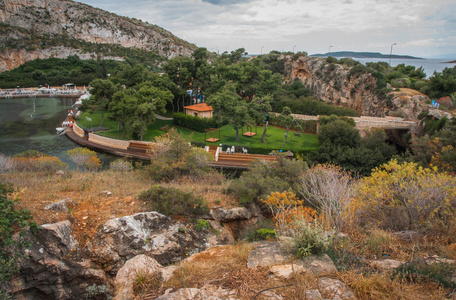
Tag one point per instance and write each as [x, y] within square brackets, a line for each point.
[423, 28]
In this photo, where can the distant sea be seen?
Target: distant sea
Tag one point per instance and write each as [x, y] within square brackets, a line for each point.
[429, 65]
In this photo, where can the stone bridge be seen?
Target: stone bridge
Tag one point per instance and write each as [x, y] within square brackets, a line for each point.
[370, 122]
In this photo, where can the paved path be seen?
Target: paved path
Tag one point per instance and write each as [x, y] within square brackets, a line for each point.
[162, 118]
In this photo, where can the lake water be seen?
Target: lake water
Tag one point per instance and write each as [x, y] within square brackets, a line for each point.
[29, 124]
[429, 65]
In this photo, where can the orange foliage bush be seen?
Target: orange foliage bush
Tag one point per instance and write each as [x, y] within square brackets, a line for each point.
[287, 208]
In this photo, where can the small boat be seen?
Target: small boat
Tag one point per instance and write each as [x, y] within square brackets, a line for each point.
[60, 130]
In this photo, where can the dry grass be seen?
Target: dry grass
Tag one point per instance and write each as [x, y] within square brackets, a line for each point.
[210, 188]
[91, 205]
[224, 266]
[381, 286]
[411, 92]
[146, 285]
[380, 243]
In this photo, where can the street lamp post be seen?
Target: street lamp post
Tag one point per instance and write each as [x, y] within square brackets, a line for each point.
[391, 52]
[294, 48]
[329, 49]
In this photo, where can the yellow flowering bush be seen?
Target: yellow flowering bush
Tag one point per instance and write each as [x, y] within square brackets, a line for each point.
[286, 208]
[406, 196]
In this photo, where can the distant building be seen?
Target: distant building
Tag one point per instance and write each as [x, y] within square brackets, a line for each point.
[201, 110]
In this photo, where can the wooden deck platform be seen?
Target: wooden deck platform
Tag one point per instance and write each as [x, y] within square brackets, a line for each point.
[212, 140]
[238, 160]
[249, 134]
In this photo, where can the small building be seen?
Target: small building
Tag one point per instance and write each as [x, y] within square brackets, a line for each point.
[201, 110]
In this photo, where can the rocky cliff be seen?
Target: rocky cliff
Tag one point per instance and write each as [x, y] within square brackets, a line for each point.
[45, 28]
[342, 85]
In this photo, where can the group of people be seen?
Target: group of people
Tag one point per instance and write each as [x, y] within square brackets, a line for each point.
[67, 124]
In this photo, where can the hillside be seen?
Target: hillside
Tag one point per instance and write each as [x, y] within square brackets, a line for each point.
[363, 55]
[31, 29]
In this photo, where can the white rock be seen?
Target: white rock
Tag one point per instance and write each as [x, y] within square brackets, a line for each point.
[138, 265]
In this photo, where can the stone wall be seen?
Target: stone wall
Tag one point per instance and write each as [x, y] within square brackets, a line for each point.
[108, 142]
[78, 130]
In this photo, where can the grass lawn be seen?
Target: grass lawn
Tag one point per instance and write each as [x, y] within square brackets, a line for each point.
[274, 137]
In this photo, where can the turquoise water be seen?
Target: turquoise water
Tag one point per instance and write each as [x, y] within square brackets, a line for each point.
[429, 65]
[29, 124]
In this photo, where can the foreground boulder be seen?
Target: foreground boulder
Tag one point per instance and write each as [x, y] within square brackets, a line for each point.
[140, 265]
[52, 267]
[150, 233]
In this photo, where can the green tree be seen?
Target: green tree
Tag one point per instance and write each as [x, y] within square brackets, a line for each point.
[339, 133]
[150, 100]
[122, 108]
[130, 76]
[173, 156]
[442, 84]
[287, 120]
[102, 92]
[341, 143]
[259, 109]
[230, 108]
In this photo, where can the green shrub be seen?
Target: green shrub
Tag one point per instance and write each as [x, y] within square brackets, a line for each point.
[121, 165]
[194, 123]
[198, 144]
[264, 234]
[12, 221]
[201, 224]
[419, 271]
[29, 153]
[170, 201]
[266, 177]
[308, 238]
[257, 231]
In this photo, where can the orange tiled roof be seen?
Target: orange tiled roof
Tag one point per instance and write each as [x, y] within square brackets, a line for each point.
[199, 107]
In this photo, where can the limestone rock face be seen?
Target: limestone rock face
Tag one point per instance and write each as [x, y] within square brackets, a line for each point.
[150, 233]
[57, 18]
[405, 106]
[337, 84]
[229, 215]
[54, 268]
[13, 58]
[268, 254]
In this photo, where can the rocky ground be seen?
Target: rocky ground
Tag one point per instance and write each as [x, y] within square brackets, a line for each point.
[98, 241]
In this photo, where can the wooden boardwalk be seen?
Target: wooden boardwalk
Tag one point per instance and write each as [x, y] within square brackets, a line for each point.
[224, 160]
[236, 160]
[121, 152]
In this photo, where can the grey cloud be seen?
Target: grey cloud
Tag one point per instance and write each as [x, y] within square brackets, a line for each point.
[226, 2]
